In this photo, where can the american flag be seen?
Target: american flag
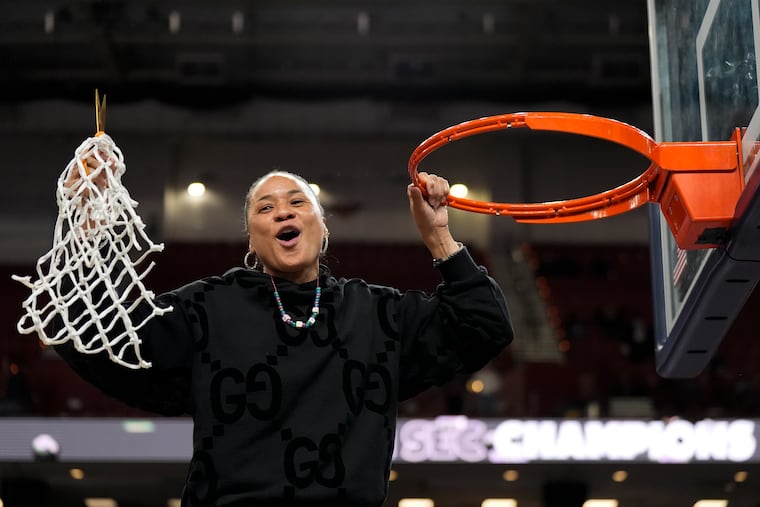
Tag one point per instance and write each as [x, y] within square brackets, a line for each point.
[680, 266]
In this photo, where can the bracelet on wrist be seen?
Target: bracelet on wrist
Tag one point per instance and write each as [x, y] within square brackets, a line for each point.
[437, 262]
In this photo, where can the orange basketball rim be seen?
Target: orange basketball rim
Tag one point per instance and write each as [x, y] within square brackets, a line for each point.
[696, 184]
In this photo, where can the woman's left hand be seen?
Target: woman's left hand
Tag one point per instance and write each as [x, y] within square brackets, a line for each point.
[429, 210]
[431, 215]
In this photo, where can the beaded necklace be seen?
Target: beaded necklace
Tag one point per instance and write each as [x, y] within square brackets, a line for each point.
[287, 319]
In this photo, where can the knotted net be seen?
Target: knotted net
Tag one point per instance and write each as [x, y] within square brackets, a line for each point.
[89, 282]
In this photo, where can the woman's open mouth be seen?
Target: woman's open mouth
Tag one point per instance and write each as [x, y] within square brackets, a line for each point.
[288, 236]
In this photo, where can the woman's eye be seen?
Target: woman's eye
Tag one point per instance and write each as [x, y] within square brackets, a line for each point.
[265, 208]
[297, 202]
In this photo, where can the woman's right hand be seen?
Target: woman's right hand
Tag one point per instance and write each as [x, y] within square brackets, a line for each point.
[99, 179]
[91, 164]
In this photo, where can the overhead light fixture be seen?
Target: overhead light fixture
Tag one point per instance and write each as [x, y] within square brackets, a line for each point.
[740, 476]
[488, 22]
[316, 188]
[238, 22]
[100, 502]
[459, 190]
[475, 386]
[49, 22]
[175, 21]
[362, 23]
[510, 475]
[196, 189]
[172, 502]
[416, 502]
[711, 503]
[619, 476]
[393, 475]
[76, 474]
[601, 502]
[499, 502]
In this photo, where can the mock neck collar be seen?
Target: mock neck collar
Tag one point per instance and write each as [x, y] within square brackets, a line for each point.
[283, 283]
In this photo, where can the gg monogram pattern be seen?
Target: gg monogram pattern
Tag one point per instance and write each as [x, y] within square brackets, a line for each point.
[286, 416]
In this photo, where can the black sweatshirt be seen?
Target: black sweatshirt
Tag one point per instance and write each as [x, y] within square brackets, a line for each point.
[286, 416]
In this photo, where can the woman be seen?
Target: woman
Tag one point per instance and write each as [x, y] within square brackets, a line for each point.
[292, 376]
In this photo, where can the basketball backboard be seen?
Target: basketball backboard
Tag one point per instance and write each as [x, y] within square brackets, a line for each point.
[705, 56]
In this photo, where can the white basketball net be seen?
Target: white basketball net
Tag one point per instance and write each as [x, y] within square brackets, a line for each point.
[86, 278]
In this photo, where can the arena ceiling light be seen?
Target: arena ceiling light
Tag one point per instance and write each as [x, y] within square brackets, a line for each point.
[601, 502]
[510, 475]
[416, 502]
[459, 190]
[101, 502]
[196, 189]
[499, 502]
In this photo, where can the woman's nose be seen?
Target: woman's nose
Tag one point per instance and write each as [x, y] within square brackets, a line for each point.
[283, 213]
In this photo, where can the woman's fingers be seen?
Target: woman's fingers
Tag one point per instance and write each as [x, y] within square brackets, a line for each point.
[436, 188]
[95, 167]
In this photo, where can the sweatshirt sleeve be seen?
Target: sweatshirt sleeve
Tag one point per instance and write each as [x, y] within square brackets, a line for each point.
[457, 330]
[167, 342]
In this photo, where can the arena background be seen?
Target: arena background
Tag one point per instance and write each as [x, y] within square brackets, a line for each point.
[342, 92]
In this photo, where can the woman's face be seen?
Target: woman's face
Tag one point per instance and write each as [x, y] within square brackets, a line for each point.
[285, 230]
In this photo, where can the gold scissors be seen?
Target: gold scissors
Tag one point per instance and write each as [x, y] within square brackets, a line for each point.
[100, 122]
[100, 114]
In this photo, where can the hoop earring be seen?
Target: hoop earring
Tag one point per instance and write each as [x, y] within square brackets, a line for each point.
[325, 242]
[255, 261]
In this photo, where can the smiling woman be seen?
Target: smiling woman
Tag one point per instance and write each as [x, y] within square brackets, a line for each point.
[293, 377]
[286, 226]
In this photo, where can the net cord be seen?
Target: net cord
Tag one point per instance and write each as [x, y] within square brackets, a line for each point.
[90, 281]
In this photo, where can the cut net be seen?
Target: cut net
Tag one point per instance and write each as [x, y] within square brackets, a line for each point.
[89, 281]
